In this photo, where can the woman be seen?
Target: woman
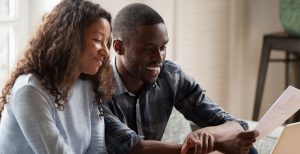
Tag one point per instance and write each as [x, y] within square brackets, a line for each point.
[52, 102]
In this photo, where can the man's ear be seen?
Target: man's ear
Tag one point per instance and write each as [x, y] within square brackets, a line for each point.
[118, 46]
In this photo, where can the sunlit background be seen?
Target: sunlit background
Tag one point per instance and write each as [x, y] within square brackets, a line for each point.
[218, 42]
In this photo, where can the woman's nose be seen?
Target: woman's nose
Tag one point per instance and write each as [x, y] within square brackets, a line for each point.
[104, 51]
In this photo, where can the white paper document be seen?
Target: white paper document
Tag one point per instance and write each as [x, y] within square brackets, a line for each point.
[285, 106]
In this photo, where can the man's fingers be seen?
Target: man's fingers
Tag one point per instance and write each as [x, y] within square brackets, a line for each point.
[202, 142]
[187, 145]
[195, 138]
[244, 151]
[247, 146]
[184, 148]
[191, 141]
[205, 139]
[198, 148]
[253, 133]
[211, 141]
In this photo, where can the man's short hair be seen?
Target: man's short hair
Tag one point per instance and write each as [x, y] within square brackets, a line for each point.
[128, 18]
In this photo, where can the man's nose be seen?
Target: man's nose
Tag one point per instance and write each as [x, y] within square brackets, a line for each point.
[159, 55]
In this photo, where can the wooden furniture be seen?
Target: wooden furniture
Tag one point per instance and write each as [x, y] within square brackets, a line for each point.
[279, 42]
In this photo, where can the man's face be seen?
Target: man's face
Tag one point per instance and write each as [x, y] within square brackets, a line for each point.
[144, 52]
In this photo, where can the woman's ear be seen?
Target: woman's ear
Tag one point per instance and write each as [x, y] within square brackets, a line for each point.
[118, 46]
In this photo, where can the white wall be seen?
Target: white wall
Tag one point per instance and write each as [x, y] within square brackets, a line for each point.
[261, 17]
[203, 44]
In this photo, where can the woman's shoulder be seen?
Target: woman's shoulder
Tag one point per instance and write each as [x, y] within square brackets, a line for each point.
[27, 89]
[25, 80]
[30, 82]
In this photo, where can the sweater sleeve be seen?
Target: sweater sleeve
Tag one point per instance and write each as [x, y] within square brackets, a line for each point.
[97, 144]
[33, 112]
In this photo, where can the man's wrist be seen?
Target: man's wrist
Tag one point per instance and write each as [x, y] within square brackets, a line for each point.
[218, 146]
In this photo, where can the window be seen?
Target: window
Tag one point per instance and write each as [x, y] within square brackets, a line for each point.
[7, 38]
[7, 9]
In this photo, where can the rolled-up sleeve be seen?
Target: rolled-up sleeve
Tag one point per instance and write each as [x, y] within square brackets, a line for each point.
[195, 105]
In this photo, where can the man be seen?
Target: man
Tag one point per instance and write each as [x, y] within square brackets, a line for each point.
[148, 86]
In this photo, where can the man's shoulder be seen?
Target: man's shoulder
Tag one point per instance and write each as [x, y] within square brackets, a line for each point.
[171, 67]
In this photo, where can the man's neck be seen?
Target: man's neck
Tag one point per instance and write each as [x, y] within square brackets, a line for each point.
[132, 84]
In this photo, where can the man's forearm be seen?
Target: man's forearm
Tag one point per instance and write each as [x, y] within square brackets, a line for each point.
[157, 147]
[230, 137]
[227, 128]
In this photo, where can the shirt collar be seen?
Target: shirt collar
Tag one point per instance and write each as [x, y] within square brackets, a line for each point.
[120, 87]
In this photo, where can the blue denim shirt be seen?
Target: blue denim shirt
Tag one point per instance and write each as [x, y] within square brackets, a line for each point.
[148, 113]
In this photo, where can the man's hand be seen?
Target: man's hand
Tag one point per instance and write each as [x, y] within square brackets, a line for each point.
[228, 138]
[239, 143]
[201, 141]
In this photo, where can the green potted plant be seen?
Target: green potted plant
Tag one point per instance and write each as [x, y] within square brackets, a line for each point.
[290, 16]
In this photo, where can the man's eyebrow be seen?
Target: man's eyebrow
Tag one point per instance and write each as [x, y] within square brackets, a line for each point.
[164, 43]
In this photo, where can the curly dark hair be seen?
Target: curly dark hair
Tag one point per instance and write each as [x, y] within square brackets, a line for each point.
[53, 53]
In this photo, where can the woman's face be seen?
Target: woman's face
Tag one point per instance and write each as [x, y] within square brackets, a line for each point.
[95, 51]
